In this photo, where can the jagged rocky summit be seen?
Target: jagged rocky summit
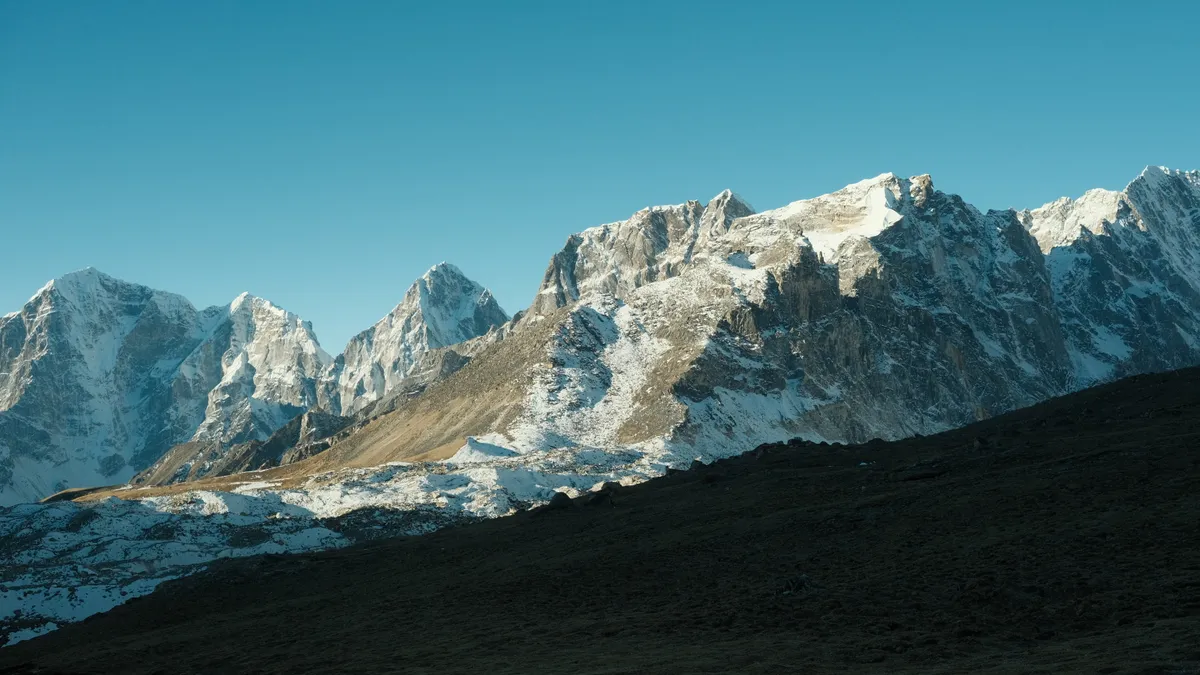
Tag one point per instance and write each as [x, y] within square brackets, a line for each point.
[100, 377]
[884, 309]
[442, 309]
[690, 331]
[685, 332]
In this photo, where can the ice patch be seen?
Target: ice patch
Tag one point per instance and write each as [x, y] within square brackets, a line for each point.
[1108, 342]
[740, 260]
[22, 635]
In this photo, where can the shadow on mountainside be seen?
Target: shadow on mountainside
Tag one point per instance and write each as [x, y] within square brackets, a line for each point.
[1060, 538]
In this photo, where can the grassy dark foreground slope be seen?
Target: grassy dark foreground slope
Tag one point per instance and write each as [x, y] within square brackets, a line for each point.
[1061, 538]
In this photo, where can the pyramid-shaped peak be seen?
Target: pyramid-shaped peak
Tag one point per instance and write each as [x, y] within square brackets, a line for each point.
[81, 278]
[246, 302]
[86, 273]
[444, 269]
[732, 198]
[243, 299]
[89, 282]
[442, 285]
[445, 279]
[723, 209]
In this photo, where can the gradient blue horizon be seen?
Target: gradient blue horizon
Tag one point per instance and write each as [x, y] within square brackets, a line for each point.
[323, 155]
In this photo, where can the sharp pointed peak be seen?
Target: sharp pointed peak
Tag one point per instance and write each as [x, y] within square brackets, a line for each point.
[1155, 175]
[727, 196]
[242, 299]
[443, 269]
[248, 299]
[80, 276]
[443, 280]
[86, 281]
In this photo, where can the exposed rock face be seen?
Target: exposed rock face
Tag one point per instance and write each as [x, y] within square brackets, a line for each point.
[270, 364]
[884, 309]
[305, 435]
[687, 332]
[881, 310]
[1125, 273]
[98, 377]
[441, 309]
[426, 337]
[616, 258]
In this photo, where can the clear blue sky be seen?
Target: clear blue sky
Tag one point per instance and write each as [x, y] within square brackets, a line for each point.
[324, 154]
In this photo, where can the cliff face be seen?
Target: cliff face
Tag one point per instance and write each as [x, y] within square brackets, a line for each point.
[884, 309]
[99, 377]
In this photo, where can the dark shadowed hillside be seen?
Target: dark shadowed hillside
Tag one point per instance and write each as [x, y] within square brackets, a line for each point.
[1061, 538]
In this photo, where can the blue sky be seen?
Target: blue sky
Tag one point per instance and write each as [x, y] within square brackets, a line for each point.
[324, 154]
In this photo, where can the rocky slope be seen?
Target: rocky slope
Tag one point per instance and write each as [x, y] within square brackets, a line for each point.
[305, 435]
[441, 309]
[442, 320]
[884, 310]
[1056, 539]
[99, 378]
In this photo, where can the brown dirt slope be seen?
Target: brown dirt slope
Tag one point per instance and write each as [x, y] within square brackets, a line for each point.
[481, 396]
[1061, 538]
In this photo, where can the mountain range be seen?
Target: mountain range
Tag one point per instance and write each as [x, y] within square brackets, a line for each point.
[681, 335]
[99, 378]
[885, 309]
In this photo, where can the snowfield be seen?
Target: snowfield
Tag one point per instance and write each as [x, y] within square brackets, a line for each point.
[63, 561]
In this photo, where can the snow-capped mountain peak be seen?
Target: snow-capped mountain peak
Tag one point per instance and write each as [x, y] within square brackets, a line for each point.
[1156, 201]
[273, 354]
[244, 298]
[1161, 174]
[453, 308]
[1062, 221]
[99, 377]
[688, 331]
[863, 209]
[270, 372]
[881, 309]
[722, 210]
[1033, 302]
[440, 309]
[81, 278]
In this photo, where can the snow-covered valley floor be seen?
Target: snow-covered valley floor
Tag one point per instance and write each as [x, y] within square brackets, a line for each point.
[64, 561]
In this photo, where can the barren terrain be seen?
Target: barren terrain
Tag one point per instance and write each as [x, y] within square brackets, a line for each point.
[1061, 538]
